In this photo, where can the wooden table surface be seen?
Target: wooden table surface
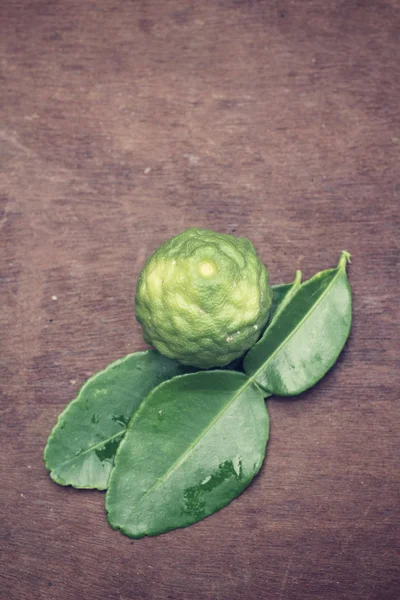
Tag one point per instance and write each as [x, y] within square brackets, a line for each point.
[123, 123]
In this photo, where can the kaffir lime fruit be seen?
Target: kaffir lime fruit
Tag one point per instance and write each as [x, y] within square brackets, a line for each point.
[203, 298]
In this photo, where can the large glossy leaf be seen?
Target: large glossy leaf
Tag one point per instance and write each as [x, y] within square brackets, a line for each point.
[193, 445]
[305, 339]
[80, 450]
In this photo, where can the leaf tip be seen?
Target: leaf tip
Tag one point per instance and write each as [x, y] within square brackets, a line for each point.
[345, 257]
[298, 277]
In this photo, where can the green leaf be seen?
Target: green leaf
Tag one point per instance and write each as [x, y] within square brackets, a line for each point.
[194, 444]
[80, 450]
[307, 336]
[281, 295]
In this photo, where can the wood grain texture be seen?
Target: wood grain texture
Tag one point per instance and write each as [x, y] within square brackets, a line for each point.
[122, 123]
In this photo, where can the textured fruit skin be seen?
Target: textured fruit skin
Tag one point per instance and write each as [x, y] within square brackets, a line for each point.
[203, 298]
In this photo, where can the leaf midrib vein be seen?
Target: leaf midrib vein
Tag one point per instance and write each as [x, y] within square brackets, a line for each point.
[99, 445]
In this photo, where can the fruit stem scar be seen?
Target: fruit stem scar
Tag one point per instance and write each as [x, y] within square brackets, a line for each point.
[207, 269]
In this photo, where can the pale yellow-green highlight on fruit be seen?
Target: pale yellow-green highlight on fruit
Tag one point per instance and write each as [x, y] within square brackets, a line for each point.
[203, 298]
[207, 269]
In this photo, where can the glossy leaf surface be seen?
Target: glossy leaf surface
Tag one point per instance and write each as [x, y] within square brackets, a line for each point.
[307, 336]
[80, 450]
[194, 444]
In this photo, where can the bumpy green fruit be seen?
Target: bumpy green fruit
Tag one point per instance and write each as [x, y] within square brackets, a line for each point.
[203, 298]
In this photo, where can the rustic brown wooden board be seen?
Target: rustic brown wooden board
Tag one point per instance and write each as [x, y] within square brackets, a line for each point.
[124, 122]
